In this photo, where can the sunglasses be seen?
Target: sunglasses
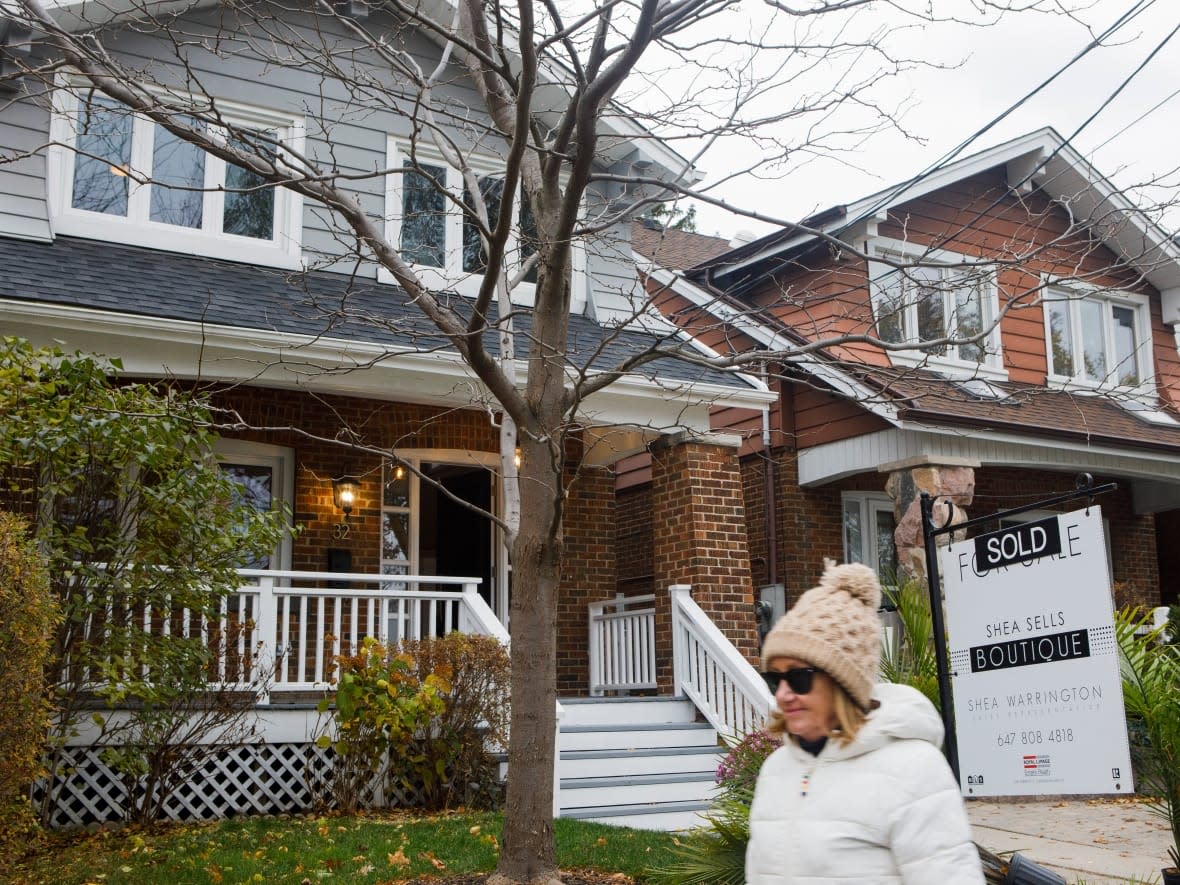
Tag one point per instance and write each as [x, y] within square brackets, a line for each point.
[799, 679]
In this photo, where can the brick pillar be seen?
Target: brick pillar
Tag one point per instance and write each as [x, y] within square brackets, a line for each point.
[588, 571]
[949, 479]
[699, 538]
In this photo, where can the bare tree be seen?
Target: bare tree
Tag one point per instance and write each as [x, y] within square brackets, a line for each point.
[581, 106]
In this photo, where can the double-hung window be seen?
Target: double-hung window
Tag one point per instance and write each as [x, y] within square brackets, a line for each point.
[920, 297]
[427, 223]
[121, 177]
[1098, 339]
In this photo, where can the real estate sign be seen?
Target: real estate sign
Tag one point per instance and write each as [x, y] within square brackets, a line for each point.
[1034, 662]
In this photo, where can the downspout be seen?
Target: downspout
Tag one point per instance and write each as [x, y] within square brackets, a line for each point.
[769, 494]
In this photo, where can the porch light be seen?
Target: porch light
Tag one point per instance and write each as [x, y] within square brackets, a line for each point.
[344, 492]
[516, 457]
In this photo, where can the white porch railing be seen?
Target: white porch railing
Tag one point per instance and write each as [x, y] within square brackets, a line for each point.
[712, 673]
[301, 621]
[623, 644]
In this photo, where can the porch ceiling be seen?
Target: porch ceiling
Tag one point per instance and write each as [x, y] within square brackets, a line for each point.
[1154, 477]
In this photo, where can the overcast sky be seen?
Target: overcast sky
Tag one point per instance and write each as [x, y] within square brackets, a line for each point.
[1132, 141]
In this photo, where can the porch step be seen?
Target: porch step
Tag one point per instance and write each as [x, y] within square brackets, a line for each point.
[669, 816]
[625, 711]
[638, 762]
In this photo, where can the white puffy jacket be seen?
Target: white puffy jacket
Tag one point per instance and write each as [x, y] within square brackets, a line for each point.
[883, 809]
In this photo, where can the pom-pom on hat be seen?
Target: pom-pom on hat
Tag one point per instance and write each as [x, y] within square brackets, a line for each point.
[834, 626]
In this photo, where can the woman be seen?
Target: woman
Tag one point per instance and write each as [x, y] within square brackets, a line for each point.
[859, 791]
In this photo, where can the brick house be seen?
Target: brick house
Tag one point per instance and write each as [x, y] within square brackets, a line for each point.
[1079, 375]
[263, 300]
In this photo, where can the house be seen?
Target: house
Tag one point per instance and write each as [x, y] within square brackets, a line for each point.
[119, 238]
[1053, 305]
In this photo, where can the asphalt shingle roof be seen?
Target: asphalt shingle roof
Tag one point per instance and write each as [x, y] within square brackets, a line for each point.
[150, 283]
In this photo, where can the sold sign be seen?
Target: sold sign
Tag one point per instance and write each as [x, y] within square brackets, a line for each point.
[1020, 543]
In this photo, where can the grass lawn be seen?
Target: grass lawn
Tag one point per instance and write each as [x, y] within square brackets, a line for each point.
[338, 850]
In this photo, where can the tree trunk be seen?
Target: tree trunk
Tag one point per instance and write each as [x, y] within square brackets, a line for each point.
[527, 850]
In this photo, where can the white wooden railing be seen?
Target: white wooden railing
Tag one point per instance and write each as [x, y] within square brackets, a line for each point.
[303, 620]
[623, 644]
[712, 673]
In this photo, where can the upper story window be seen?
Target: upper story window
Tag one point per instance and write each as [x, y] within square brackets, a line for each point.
[120, 177]
[1098, 339]
[921, 296]
[425, 221]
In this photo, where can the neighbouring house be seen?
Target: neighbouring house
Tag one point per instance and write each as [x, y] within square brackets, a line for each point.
[259, 296]
[1058, 302]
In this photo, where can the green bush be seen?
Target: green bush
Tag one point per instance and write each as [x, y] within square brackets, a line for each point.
[418, 719]
[453, 765]
[27, 618]
[911, 660]
[381, 706]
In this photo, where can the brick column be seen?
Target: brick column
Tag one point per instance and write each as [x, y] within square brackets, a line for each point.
[950, 479]
[699, 538]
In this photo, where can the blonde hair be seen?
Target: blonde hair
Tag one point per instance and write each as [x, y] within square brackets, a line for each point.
[850, 718]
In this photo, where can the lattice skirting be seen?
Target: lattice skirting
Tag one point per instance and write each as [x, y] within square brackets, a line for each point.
[244, 779]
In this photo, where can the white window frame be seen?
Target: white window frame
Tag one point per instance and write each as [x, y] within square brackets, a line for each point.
[868, 503]
[1140, 305]
[899, 251]
[451, 275]
[136, 228]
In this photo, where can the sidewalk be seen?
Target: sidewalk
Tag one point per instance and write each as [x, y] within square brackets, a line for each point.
[1098, 841]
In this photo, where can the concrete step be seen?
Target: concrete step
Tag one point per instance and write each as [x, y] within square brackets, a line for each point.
[637, 736]
[630, 763]
[668, 816]
[641, 790]
[625, 711]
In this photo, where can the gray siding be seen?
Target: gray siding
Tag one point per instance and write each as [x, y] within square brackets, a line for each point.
[24, 128]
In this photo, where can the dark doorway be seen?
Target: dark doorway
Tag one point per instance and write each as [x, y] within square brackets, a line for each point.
[455, 540]
[1167, 545]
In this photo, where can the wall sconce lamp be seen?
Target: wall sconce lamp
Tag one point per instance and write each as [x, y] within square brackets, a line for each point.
[516, 457]
[344, 493]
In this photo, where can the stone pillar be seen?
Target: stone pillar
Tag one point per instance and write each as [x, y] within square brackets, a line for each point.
[699, 538]
[944, 479]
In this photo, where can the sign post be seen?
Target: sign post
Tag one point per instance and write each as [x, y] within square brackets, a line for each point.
[1037, 695]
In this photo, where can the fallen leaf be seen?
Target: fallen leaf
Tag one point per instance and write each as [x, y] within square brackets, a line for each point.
[398, 859]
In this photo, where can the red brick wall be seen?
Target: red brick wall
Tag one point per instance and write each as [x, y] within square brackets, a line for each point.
[1132, 541]
[699, 531]
[633, 540]
[588, 572]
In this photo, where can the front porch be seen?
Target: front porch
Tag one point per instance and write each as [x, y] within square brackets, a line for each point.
[289, 627]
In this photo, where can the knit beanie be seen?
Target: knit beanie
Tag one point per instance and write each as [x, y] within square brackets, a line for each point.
[834, 626]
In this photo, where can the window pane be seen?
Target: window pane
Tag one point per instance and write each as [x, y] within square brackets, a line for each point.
[254, 487]
[423, 215]
[249, 204]
[969, 321]
[178, 174]
[395, 536]
[475, 259]
[1061, 339]
[886, 551]
[928, 294]
[397, 486]
[890, 309]
[103, 159]
[1093, 343]
[853, 536]
[1126, 368]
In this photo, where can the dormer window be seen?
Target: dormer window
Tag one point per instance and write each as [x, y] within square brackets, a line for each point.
[920, 296]
[119, 176]
[425, 220]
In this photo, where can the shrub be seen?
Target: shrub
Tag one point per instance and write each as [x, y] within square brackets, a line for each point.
[380, 707]
[453, 765]
[27, 618]
[417, 719]
[911, 660]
